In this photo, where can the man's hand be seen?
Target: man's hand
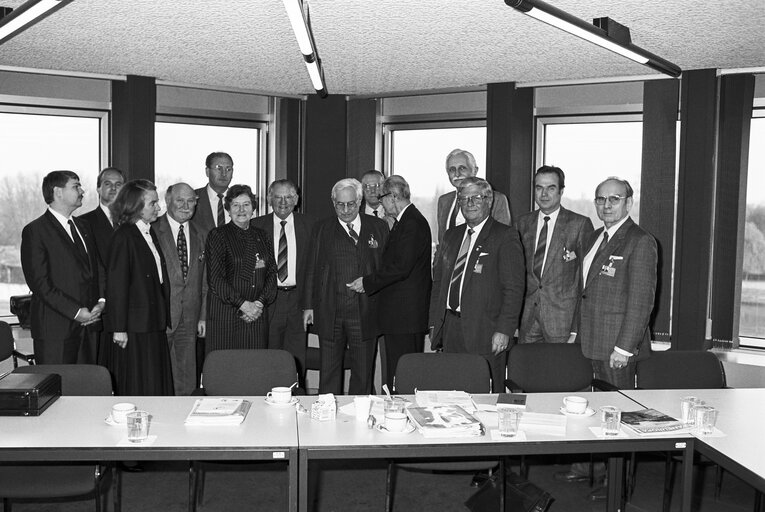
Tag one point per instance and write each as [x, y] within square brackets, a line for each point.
[357, 285]
[307, 318]
[121, 339]
[618, 361]
[201, 329]
[85, 316]
[499, 342]
[571, 338]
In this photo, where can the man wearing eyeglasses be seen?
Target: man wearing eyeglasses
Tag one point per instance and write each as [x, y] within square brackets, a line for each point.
[344, 247]
[551, 237]
[183, 248]
[618, 289]
[478, 283]
[290, 234]
[210, 211]
[371, 185]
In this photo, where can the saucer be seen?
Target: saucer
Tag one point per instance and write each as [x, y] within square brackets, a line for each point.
[589, 412]
[408, 430]
[282, 404]
[110, 421]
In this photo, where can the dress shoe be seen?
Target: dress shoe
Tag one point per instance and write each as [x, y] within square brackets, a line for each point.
[570, 476]
[599, 493]
[480, 478]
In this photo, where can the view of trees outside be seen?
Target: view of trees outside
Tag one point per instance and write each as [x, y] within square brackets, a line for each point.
[752, 319]
[420, 157]
[32, 146]
[181, 149]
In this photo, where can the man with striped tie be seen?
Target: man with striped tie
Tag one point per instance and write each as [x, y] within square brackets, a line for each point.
[478, 283]
[290, 234]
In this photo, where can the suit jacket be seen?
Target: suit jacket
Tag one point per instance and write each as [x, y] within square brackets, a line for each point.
[492, 290]
[303, 228]
[614, 307]
[203, 215]
[189, 296]
[61, 280]
[102, 231]
[320, 281]
[500, 211]
[402, 283]
[135, 299]
[557, 293]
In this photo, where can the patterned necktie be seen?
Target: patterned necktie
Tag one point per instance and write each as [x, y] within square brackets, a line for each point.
[78, 241]
[459, 269]
[354, 235]
[183, 254]
[601, 247]
[539, 254]
[281, 259]
[221, 213]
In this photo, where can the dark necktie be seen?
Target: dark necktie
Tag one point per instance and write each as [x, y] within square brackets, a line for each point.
[453, 217]
[539, 254]
[221, 213]
[282, 254]
[375, 212]
[459, 269]
[78, 241]
[601, 247]
[353, 234]
[183, 255]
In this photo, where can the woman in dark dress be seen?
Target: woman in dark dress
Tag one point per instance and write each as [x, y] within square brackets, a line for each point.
[137, 294]
[241, 277]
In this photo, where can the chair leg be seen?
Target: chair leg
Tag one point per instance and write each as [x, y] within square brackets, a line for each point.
[192, 486]
[97, 487]
[631, 475]
[669, 473]
[524, 468]
[502, 483]
[757, 501]
[389, 486]
[117, 487]
[719, 471]
[7, 504]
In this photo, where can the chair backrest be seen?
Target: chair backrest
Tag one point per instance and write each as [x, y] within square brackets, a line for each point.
[680, 369]
[247, 372]
[6, 341]
[549, 367]
[442, 371]
[76, 379]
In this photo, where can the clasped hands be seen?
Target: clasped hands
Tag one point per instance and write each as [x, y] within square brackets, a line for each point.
[251, 310]
[90, 316]
[357, 285]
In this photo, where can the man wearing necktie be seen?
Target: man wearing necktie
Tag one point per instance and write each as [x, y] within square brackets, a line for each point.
[344, 247]
[62, 269]
[183, 248]
[551, 238]
[210, 213]
[371, 184]
[290, 234]
[478, 283]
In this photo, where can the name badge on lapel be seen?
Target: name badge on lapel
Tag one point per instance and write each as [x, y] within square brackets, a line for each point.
[259, 262]
[478, 268]
[568, 255]
[609, 270]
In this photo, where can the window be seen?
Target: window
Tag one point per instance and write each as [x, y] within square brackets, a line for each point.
[33, 144]
[752, 317]
[591, 149]
[181, 149]
[418, 153]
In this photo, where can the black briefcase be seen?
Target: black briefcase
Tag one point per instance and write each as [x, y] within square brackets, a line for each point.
[21, 306]
[28, 394]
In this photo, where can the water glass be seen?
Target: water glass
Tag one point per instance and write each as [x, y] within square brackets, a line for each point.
[705, 419]
[138, 426]
[509, 418]
[611, 418]
[686, 409]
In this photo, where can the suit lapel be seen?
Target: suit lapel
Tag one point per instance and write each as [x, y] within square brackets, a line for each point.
[614, 243]
[478, 247]
[165, 237]
[65, 238]
[555, 250]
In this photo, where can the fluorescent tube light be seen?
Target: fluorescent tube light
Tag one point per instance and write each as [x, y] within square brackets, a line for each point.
[26, 15]
[294, 10]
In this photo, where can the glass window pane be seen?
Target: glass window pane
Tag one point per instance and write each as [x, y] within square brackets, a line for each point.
[589, 153]
[181, 149]
[420, 157]
[32, 146]
[752, 319]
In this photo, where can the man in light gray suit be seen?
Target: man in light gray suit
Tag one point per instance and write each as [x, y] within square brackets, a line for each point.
[460, 164]
[183, 247]
[551, 238]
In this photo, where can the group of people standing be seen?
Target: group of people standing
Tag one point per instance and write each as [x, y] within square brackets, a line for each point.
[121, 287]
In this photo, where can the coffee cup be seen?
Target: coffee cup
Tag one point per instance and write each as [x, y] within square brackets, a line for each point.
[121, 410]
[575, 404]
[395, 421]
[280, 395]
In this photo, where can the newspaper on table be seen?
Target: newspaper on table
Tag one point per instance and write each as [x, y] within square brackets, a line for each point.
[445, 421]
[433, 398]
[218, 411]
[648, 422]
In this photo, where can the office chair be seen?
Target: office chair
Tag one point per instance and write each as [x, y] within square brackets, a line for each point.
[64, 480]
[678, 369]
[8, 347]
[239, 373]
[443, 371]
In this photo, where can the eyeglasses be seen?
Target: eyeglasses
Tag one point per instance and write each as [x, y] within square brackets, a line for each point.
[379, 198]
[350, 205]
[223, 168]
[180, 203]
[613, 200]
[470, 199]
[371, 186]
[283, 199]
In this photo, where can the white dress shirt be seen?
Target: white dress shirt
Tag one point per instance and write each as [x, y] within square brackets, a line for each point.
[64, 221]
[356, 223]
[473, 238]
[379, 212]
[213, 196]
[175, 226]
[550, 227]
[107, 212]
[145, 229]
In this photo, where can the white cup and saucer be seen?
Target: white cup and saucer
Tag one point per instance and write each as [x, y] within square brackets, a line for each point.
[396, 422]
[576, 406]
[118, 414]
[281, 396]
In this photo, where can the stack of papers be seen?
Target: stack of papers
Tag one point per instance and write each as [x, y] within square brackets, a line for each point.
[218, 411]
[433, 398]
[648, 422]
[445, 421]
[553, 424]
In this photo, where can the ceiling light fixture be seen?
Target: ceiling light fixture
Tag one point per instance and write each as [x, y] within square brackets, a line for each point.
[301, 26]
[24, 16]
[604, 32]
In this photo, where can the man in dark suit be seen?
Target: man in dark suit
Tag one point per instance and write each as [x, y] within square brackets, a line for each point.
[460, 164]
[478, 283]
[182, 246]
[61, 266]
[402, 284]
[342, 248]
[551, 237]
[210, 212]
[290, 233]
[371, 184]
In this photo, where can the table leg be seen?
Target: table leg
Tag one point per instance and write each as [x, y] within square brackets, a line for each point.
[302, 478]
[293, 479]
[687, 495]
[615, 484]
